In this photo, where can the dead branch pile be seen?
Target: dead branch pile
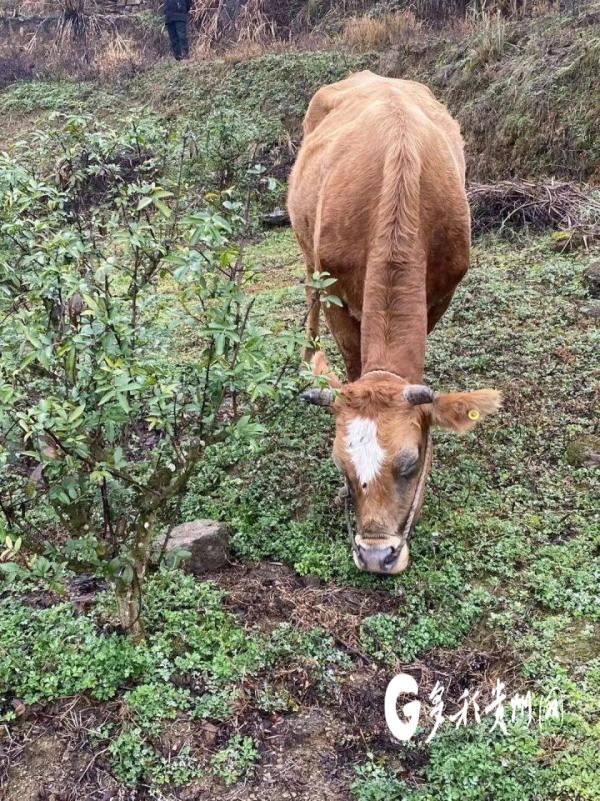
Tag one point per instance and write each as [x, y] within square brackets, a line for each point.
[523, 204]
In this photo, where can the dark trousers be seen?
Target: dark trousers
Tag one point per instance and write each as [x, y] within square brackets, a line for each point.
[179, 38]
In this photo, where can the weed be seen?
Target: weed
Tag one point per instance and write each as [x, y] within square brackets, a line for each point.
[134, 760]
[50, 653]
[376, 33]
[236, 760]
[216, 705]
[374, 782]
[149, 704]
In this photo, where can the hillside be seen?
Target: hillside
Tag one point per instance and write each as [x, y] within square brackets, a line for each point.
[526, 92]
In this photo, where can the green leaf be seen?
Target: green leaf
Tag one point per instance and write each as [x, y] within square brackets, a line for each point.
[144, 202]
[76, 413]
[164, 209]
[123, 402]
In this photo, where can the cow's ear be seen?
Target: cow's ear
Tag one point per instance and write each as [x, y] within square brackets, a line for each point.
[320, 366]
[461, 411]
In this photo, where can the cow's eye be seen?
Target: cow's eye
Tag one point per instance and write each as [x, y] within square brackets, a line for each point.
[406, 464]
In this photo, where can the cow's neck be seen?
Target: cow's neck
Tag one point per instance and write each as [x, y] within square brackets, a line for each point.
[394, 321]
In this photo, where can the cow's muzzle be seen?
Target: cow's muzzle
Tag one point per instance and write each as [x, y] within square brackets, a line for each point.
[386, 558]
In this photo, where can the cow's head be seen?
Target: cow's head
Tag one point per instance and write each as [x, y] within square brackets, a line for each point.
[382, 446]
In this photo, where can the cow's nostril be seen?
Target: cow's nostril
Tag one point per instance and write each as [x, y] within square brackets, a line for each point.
[361, 555]
[391, 557]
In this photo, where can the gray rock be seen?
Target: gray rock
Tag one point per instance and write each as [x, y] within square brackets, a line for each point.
[591, 279]
[276, 218]
[592, 310]
[207, 541]
[584, 451]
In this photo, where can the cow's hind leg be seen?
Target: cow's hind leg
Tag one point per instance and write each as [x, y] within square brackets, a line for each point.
[346, 332]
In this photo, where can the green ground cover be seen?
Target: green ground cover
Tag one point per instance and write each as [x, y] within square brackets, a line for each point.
[505, 574]
[505, 562]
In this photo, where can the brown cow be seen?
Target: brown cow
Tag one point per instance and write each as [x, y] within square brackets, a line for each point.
[377, 199]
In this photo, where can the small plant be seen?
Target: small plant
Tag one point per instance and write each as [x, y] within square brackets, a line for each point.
[11, 548]
[236, 760]
[131, 756]
[150, 704]
[215, 705]
[374, 782]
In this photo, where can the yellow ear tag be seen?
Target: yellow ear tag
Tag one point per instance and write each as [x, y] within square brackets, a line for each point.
[473, 414]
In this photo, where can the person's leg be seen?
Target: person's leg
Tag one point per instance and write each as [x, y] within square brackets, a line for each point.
[174, 39]
[184, 48]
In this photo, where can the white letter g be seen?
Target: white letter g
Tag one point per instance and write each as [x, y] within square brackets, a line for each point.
[402, 730]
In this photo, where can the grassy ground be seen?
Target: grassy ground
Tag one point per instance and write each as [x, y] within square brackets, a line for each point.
[268, 680]
[525, 92]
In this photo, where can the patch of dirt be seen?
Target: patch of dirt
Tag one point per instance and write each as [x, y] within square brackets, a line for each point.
[306, 755]
[269, 593]
[300, 760]
[47, 759]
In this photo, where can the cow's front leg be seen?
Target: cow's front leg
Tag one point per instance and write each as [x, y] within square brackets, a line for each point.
[313, 306]
[346, 332]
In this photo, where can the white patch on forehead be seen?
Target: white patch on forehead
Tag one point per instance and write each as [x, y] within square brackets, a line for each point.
[364, 449]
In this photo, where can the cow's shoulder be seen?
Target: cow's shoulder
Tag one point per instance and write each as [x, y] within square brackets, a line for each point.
[366, 88]
[331, 96]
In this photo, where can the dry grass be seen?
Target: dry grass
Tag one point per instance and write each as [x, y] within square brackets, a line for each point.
[490, 30]
[213, 25]
[565, 207]
[377, 33]
[70, 39]
[120, 54]
[442, 11]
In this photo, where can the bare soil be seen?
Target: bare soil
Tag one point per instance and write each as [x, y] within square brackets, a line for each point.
[307, 755]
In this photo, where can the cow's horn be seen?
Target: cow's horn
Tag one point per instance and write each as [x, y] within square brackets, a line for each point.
[416, 394]
[320, 397]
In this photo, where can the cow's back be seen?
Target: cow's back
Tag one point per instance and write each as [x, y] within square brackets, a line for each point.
[336, 186]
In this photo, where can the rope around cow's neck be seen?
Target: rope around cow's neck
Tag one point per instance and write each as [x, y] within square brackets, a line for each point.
[409, 524]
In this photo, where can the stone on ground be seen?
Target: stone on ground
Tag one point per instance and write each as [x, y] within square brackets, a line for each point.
[206, 540]
[591, 279]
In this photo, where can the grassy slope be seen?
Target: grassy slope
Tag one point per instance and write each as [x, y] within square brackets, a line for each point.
[506, 559]
[527, 97]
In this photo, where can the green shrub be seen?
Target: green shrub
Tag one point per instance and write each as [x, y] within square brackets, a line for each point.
[103, 264]
[47, 654]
